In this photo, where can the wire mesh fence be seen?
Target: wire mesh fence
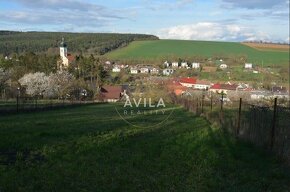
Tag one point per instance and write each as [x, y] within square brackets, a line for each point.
[265, 126]
[26, 104]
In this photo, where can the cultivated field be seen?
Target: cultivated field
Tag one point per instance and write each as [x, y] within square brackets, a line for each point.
[90, 148]
[166, 48]
[268, 46]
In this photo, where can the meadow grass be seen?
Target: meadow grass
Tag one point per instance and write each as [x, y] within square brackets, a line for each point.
[89, 148]
[181, 48]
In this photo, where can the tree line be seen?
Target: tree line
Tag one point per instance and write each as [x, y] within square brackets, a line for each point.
[45, 42]
[39, 75]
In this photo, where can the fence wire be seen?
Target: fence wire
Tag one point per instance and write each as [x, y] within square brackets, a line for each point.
[264, 126]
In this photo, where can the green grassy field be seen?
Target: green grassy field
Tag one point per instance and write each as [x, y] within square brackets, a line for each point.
[180, 48]
[90, 148]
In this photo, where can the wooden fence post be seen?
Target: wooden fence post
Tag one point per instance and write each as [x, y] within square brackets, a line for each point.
[273, 124]
[211, 103]
[202, 102]
[222, 101]
[197, 106]
[17, 103]
[239, 117]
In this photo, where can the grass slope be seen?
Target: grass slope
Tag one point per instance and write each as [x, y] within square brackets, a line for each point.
[164, 48]
[90, 149]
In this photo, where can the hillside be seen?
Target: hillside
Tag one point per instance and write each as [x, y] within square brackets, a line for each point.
[168, 48]
[90, 148]
[95, 43]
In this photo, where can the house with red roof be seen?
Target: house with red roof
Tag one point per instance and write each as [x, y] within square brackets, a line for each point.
[112, 93]
[175, 87]
[219, 88]
[202, 85]
[187, 81]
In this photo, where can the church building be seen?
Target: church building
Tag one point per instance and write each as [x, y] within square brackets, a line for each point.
[65, 57]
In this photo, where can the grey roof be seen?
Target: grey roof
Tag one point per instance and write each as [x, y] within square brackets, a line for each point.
[63, 44]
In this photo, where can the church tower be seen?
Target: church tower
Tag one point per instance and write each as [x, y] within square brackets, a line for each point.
[63, 49]
[63, 55]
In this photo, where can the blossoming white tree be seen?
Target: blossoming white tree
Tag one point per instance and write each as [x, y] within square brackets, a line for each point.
[35, 83]
[4, 76]
[53, 85]
[59, 83]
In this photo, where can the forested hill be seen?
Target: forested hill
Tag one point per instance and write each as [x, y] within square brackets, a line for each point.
[97, 43]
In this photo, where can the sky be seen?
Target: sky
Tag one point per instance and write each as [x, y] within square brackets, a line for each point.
[218, 20]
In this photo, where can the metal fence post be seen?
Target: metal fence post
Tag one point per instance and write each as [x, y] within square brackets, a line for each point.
[273, 124]
[239, 117]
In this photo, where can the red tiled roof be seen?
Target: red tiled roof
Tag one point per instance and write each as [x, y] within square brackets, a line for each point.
[189, 80]
[176, 87]
[229, 87]
[224, 86]
[111, 92]
[202, 82]
[216, 86]
[70, 57]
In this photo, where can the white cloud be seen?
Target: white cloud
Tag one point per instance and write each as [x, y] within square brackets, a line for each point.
[63, 15]
[253, 4]
[211, 31]
[166, 5]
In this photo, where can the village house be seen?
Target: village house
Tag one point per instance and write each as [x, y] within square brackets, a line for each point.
[144, 70]
[195, 65]
[154, 70]
[175, 65]
[223, 66]
[108, 63]
[187, 81]
[279, 89]
[121, 66]
[134, 70]
[209, 69]
[111, 93]
[167, 72]
[244, 87]
[201, 85]
[116, 69]
[280, 92]
[259, 95]
[166, 64]
[184, 65]
[223, 88]
[175, 87]
[248, 65]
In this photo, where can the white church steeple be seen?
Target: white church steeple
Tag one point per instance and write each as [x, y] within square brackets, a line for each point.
[63, 49]
[63, 54]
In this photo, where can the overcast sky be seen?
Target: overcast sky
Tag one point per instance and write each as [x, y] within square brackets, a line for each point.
[222, 20]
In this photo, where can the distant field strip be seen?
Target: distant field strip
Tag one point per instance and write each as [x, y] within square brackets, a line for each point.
[163, 49]
[268, 47]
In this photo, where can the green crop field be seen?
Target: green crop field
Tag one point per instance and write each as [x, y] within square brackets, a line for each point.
[89, 148]
[181, 48]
